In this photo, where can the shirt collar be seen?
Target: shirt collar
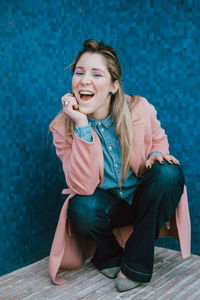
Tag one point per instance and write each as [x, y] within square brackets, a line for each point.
[106, 122]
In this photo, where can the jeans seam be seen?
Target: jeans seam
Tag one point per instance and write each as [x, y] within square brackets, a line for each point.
[138, 272]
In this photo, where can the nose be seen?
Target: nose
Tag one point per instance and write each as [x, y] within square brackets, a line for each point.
[86, 79]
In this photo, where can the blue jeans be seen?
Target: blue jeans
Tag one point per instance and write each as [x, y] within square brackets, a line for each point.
[154, 201]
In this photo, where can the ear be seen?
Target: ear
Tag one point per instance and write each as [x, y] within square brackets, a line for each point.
[115, 86]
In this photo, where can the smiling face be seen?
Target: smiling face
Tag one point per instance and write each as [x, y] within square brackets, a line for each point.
[91, 84]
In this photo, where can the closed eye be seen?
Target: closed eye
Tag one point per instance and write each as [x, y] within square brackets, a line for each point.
[79, 73]
[97, 75]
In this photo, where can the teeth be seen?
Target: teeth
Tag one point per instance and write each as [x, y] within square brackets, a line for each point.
[86, 93]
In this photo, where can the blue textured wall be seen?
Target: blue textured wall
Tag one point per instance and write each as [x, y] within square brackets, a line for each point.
[158, 46]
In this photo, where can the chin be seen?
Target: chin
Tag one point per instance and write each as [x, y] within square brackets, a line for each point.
[84, 110]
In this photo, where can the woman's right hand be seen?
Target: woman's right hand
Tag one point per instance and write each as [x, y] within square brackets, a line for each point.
[70, 108]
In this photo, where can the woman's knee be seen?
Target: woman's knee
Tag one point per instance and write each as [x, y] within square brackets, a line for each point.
[85, 214]
[168, 174]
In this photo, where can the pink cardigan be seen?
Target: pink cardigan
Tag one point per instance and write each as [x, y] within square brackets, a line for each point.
[81, 162]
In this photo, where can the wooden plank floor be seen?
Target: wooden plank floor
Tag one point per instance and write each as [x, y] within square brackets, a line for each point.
[173, 278]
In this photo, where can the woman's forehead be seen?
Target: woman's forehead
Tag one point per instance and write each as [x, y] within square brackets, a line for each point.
[92, 61]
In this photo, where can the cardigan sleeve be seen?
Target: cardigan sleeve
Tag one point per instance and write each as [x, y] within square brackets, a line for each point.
[159, 137]
[79, 162]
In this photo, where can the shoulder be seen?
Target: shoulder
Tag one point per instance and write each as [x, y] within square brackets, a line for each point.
[139, 106]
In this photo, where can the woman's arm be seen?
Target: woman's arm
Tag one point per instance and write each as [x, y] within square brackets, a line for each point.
[79, 160]
[159, 143]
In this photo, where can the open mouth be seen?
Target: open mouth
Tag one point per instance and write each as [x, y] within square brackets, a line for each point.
[85, 95]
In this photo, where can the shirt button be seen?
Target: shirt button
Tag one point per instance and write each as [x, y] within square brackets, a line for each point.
[110, 147]
[121, 193]
[116, 165]
[102, 129]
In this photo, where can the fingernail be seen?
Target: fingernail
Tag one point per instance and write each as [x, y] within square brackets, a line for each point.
[162, 161]
[171, 160]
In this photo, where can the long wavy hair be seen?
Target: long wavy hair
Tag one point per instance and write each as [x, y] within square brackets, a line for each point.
[119, 108]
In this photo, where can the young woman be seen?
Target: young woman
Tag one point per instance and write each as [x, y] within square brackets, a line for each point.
[124, 187]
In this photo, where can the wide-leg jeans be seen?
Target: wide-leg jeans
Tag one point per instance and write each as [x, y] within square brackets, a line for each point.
[154, 201]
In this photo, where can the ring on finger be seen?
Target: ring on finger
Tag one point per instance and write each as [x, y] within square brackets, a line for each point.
[65, 102]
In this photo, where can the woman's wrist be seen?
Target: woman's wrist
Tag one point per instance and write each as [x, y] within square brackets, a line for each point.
[81, 123]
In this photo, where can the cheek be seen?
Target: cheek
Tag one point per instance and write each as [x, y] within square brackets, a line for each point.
[74, 82]
[103, 87]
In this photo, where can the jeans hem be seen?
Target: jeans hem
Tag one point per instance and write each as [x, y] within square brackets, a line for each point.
[135, 275]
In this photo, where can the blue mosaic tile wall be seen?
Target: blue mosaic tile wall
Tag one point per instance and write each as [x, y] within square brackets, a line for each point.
[158, 46]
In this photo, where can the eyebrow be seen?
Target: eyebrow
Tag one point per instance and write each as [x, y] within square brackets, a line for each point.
[94, 69]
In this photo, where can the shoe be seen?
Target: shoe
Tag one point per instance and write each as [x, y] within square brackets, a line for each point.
[111, 272]
[124, 284]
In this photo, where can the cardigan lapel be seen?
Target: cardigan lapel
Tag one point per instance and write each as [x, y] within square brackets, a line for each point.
[99, 150]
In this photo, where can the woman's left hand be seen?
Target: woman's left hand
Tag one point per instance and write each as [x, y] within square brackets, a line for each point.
[160, 158]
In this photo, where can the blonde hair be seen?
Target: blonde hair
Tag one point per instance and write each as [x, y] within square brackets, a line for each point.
[120, 108]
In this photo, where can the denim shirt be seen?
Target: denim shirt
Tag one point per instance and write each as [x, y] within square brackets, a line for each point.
[111, 147]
